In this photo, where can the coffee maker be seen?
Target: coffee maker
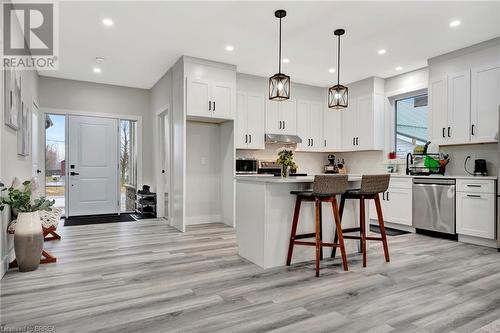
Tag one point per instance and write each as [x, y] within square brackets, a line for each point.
[331, 167]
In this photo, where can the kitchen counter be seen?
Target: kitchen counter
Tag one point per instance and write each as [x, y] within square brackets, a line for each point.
[264, 211]
[445, 176]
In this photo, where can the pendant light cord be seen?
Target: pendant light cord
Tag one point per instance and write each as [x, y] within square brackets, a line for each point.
[338, 63]
[279, 55]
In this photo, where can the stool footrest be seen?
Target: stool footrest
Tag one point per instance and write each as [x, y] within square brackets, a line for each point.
[314, 244]
[356, 229]
[367, 238]
[312, 234]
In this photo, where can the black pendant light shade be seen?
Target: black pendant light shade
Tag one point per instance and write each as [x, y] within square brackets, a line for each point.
[338, 94]
[279, 83]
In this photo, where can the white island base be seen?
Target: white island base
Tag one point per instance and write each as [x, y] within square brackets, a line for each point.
[264, 212]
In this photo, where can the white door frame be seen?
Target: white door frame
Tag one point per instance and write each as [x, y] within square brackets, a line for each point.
[67, 112]
[160, 134]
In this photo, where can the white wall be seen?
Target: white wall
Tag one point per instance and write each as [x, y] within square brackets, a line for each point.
[311, 163]
[203, 173]
[11, 164]
[83, 96]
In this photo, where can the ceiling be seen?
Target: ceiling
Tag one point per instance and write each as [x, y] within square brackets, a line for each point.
[148, 37]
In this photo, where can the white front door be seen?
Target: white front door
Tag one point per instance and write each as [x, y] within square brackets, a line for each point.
[92, 166]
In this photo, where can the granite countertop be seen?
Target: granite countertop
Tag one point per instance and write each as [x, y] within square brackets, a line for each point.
[445, 176]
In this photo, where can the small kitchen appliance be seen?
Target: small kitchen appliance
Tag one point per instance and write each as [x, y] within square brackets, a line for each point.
[246, 166]
[331, 167]
[480, 168]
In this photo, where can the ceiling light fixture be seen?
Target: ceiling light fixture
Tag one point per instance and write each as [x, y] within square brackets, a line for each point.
[455, 23]
[97, 70]
[286, 60]
[398, 68]
[331, 70]
[279, 83]
[107, 22]
[99, 59]
[382, 51]
[229, 48]
[338, 95]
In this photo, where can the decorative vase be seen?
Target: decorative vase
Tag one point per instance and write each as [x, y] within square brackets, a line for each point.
[285, 171]
[28, 241]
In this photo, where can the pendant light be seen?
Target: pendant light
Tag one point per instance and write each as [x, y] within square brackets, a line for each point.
[279, 84]
[337, 95]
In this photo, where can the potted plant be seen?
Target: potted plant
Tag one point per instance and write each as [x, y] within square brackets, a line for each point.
[28, 238]
[285, 160]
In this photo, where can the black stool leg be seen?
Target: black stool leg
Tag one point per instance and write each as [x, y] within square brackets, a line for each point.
[293, 232]
[363, 228]
[341, 212]
[317, 204]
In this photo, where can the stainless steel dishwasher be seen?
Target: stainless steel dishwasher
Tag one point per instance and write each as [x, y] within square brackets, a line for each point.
[434, 204]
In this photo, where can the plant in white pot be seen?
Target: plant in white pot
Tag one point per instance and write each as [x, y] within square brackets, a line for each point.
[28, 237]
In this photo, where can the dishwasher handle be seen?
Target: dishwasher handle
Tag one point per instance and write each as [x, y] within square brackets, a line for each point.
[433, 181]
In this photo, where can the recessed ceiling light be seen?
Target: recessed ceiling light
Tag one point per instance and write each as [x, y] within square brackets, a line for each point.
[382, 51]
[99, 59]
[229, 48]
[398, 68]
[107, 22]
[286, 60]
[332, 70]
[455, 23]
[97, 70]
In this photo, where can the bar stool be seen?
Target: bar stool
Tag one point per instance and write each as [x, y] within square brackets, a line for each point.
[325, 188]
[371, 186]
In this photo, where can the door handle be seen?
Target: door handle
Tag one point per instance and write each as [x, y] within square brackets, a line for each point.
[474, 196]
[449, 129]
[312, 142]
[38, 171]
[72, 173]
[280, 124]
[209, 106]
[325, 142]
[246, 138]
[353, 141]
[357, 141]
[214, 105]
[472, 133]
[443, 133]
[284, 124]
[383, 195]
[250, 138]
[387, 193]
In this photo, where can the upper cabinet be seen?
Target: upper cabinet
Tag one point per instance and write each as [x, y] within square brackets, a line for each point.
[206, 98]
[362, 123]
[250, 121]
[310, 125]
[281, 117]
[485, 103]
[464, 106]
[332, 137]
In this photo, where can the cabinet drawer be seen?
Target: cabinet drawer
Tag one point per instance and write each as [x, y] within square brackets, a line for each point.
[400, 182]
[476, 185]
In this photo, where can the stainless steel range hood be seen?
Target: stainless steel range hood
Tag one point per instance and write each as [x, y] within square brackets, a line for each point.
[282, 138]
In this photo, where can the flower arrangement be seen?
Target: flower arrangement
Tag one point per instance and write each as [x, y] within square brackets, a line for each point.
[285, 160]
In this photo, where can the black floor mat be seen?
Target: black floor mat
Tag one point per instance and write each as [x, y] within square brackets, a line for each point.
[97, 219]
[388, 231]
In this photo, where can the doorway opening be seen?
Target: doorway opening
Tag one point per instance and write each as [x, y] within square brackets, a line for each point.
[128, 165]
[55, 159]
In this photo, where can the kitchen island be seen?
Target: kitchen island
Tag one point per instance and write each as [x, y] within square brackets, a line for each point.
[264, 211]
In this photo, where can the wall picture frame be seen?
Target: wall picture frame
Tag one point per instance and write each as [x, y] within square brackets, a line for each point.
[12, 98]
[24, 131]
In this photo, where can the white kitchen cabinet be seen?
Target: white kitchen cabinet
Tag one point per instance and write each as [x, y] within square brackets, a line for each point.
[362, 123]
[438, 104]
[485, 101]
[476, 214]
[332, 138]
[281, 117]
[475, 208]
[209, 99]
[458, 115]
[396, 203]
[310, 125]
[249, 127]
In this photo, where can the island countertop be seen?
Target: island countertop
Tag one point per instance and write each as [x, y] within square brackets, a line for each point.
[288, 180]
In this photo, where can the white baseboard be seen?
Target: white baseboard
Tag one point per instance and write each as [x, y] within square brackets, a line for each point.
[477, 241]
[201, 219]
[394, 226]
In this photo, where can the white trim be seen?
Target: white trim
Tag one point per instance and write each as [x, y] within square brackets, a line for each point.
[90, 114]
[201, 219]
[158, 178]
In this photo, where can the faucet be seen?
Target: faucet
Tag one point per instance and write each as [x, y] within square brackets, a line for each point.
[408, 163]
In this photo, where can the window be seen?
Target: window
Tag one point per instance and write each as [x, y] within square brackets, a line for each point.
[411, 124]
[55, 158]
[128, 165]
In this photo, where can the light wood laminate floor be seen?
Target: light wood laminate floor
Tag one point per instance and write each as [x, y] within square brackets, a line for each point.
[146, 277]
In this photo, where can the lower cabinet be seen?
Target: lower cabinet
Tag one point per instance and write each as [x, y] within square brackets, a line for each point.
[476, 214]
[396, 205]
